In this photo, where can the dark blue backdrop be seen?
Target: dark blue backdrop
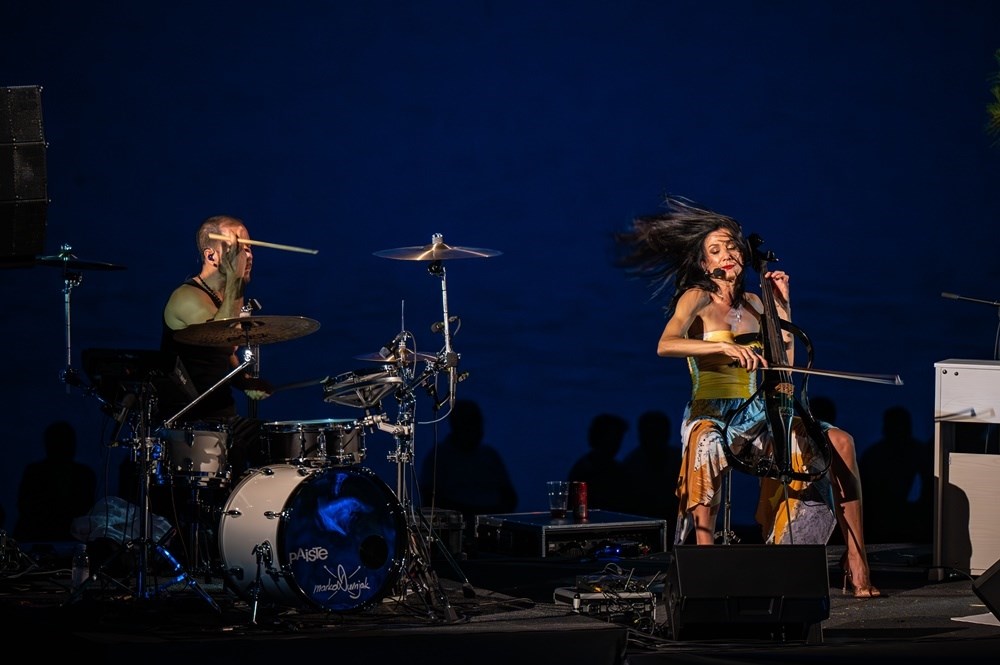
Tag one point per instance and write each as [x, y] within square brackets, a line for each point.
[850, 135]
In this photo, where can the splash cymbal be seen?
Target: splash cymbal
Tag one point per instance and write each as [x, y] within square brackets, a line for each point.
[436, 251]
[247, 330]
[408, 357]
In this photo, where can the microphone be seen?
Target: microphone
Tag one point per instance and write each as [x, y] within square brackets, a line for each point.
[388, 350]
[128, 401]
[439, 326]
[432, 391]
[955, 296]
[718, 273]
[250, 306]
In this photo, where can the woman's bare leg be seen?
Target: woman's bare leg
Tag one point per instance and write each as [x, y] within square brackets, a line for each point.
[704, 524]
[848, 508]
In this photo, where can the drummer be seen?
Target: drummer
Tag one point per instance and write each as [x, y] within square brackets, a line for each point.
[215, 291]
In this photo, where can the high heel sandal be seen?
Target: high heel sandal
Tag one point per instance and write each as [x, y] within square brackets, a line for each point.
[865, 591]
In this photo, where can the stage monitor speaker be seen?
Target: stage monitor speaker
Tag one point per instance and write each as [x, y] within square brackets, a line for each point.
[987, 587]
[23, 178]
[776, 592]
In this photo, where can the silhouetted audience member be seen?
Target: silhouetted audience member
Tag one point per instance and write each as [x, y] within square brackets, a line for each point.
[897, 481]
[54, 490]
[653, 467]
[600, 468]
[464, 474]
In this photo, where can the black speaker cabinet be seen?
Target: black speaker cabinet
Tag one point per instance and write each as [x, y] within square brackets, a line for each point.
[775, 592]
[987, 587]
[23, 177]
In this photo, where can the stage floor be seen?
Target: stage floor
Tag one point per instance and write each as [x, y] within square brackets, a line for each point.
[479, 610]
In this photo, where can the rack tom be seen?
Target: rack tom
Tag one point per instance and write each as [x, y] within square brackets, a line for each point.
[328, 442]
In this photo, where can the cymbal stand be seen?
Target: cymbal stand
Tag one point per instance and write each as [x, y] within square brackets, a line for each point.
[418, 574]
[451, 358]
[248, 358]
[250, 308]
[70, 281]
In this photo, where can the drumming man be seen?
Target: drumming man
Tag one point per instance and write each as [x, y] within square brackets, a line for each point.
[215, 292]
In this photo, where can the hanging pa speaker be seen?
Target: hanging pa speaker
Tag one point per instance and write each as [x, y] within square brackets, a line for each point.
[987, 587]
[774, 592]
[23, 177]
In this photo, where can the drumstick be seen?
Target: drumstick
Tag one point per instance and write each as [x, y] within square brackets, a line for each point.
[302, 384]
[247, 241]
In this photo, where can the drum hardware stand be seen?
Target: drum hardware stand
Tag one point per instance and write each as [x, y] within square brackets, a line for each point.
[418, 573]
[451, 358]
[149, 449]
[436, 252]
[251, 307]
[70, 281]
[10, 556]
[262, 553]
[248, 359]
[197, 535]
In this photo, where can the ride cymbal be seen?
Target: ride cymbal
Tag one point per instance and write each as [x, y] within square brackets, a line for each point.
[436, 251]
[247, 330]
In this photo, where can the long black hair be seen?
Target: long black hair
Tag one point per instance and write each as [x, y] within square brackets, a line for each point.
[668, 248]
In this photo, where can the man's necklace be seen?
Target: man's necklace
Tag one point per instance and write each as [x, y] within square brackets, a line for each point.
[211, 292]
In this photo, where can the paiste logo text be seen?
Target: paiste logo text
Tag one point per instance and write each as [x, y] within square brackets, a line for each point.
[312, 554]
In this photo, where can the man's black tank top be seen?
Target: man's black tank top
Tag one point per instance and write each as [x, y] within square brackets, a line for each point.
[205, 365]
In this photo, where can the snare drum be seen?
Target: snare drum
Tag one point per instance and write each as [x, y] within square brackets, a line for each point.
[362, 388]
[314, 442]
[333, 538]
[196, 454]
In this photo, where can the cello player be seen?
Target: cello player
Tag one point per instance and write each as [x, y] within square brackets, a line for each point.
[699, 255]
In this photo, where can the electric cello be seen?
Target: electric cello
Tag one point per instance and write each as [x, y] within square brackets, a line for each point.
[777, 389]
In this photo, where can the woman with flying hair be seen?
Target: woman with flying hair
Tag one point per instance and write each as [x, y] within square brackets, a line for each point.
[699, 258]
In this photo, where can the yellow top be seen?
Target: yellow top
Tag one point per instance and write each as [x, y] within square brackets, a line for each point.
[715, 377]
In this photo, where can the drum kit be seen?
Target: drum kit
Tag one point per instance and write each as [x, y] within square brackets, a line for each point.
[313, 527]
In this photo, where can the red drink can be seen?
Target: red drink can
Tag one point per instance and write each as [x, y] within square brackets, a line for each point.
[578, 499]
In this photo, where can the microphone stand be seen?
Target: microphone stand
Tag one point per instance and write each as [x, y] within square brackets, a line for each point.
[954, 296]
[993, 303]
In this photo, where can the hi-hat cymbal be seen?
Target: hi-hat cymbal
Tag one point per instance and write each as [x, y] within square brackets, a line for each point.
[436, 251]
[408, 357]
[247, 330]
[70, 262]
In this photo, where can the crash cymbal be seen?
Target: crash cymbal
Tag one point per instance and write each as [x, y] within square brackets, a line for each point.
[247, 330]
[408, 357]
[436, 251]
[70, 262]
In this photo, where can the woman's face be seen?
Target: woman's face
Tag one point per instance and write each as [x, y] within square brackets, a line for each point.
[722, 253]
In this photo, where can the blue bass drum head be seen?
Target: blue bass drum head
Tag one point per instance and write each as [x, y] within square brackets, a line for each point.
[344, 538]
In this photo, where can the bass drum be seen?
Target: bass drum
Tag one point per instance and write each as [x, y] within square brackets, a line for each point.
[333, 538]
